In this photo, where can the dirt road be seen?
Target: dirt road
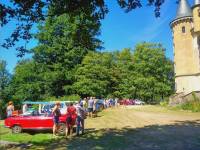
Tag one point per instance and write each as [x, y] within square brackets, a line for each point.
[144, 128]
[140, 116]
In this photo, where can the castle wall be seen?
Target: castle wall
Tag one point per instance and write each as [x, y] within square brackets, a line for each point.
[187, 84]
[196, 16]
[185, 56]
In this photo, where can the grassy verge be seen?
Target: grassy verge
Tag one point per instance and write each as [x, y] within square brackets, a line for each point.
[192, 106]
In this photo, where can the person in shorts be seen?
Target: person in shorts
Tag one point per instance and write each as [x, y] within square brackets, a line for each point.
[56, 115]
[80, 119]
[70, 119]
[90, 107]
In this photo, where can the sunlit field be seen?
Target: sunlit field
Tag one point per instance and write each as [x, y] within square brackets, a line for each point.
[136, 127]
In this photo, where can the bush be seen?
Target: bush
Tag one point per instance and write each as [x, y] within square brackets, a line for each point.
[73, 98]
[51, 99]
[165, 102]
[194, 106]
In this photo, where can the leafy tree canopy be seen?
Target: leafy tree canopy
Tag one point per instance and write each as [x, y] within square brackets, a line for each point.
[4, 83]
[30, 12]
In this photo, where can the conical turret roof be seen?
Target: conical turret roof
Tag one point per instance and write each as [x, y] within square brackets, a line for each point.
[184, 9]
[196, 2]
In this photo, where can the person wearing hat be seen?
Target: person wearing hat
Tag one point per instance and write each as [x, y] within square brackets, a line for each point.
[56, 115]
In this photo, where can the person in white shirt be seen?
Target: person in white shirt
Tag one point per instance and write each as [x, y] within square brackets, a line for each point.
[80, 118]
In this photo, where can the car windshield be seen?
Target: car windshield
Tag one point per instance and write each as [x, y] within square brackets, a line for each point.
[48, 107]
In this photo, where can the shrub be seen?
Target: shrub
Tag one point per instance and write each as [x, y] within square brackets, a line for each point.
[74, 97]
[194, 106]
[165, 102]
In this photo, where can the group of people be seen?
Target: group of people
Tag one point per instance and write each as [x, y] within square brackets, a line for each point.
[75, 115]
[111, 102]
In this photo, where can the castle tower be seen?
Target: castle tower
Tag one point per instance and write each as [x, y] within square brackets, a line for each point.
[186, 28]
[196, 15]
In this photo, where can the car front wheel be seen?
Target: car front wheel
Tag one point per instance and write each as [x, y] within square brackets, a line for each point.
[62, 129]
[16, 129]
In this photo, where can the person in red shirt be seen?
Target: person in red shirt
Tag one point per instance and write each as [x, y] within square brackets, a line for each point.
[70, 119]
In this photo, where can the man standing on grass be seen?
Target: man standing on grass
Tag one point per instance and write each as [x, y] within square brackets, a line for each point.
[90, 107]
[80, 118]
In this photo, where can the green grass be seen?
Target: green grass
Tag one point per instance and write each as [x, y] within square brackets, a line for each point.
[7, 135]
[194, 106]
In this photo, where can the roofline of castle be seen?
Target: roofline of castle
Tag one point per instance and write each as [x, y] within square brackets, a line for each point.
[195, 6]
[181, 18]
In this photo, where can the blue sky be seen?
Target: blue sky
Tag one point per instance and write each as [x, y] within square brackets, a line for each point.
[119, 30]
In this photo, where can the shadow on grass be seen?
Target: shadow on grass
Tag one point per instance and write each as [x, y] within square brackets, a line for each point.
[179, 136]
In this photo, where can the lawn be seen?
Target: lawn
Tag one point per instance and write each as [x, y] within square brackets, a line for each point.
[138, 128]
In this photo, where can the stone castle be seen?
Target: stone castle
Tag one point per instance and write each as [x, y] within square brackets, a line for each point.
[186, 42]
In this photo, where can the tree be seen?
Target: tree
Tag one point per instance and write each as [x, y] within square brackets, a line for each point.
[63, 42]
[155, 72]
[121, 68]
[4, 76]
[4, 83]
[29, 13]
[93, 76]
[27, 82]
[145, 73]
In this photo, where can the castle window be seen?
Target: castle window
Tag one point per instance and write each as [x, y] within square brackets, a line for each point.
[183, 29]
[198, 42]
[199, 12]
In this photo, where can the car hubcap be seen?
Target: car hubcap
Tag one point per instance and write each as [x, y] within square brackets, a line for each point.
[17, 129]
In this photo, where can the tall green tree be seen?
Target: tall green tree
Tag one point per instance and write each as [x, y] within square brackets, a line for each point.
[93, 76]
[27, 83]
[154, 71]
[63, 43]
[121, 68]
[4, 76]
[4, 83]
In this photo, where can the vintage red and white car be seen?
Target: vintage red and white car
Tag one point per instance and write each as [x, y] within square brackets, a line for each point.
[35, 120]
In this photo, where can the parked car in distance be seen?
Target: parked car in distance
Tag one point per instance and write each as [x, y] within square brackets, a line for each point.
[127, 102]
[139, 102]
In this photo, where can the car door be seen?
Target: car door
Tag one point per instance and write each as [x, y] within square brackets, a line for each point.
[26, 122]
[44, 121]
